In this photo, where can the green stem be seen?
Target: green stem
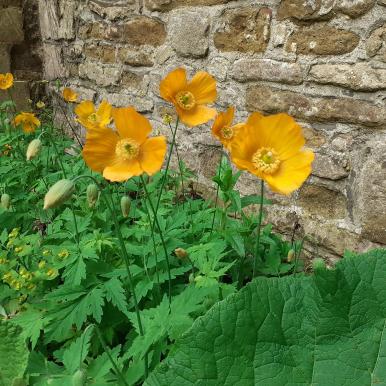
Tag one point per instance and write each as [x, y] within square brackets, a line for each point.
[111, 359]
[162, 239]
[217, 194]
[260, 219]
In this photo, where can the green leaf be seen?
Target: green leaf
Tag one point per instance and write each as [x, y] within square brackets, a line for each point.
[115, 294]
[13, 354]
[326, 329]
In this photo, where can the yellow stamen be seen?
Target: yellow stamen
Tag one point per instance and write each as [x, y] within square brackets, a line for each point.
[93, 118]
[266, 160]
[227, 132]
[127, 149]
[186, 100]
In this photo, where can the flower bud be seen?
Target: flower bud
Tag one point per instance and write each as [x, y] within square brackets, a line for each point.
[5, 201]
[290, 256]
[58, 194]
[181, 253]
[125, 206]
[167, 119]
[318, 264]
[92, 195]
[33, 149]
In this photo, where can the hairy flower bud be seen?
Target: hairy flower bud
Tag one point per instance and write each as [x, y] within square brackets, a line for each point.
[125, 206]
[33, 149]
[5, 201]
[92, 195]
[290, 256]
[181, 253]
[59, 193]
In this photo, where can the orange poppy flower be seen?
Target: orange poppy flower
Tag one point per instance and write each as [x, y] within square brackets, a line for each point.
[6, 81]
[90, 117]
[27, 121]
[126, 153]
[271, 148]
[190, 98]
[69, 95]
[223, 129]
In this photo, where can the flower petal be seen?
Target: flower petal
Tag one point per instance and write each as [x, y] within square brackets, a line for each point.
[104, 113]
[222, 120]
[122, 170]
[292, 173]
[245, 143]
[131, 124]
[84, 109]
[152, 154]
[197, 116]
[174, 82]
[203, 87]
[99, 149]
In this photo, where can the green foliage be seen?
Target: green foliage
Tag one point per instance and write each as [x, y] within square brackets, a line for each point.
[326, 329]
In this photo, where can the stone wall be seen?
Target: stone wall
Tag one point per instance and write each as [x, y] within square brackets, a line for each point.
[20, 48]
[322, 61]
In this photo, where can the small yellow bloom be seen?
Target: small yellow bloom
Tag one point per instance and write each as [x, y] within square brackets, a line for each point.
[31, 286]
[127, 152]
[167, 119]
[271, 148]
[69, 95]
[6, 81]
[46, 252]
[42, 264]
[27, 121]
[63, 254]
[52, 272]
[16, 284]
[18, 249]
[190, 98]
[223, 129]
[3, 261]
[40, 105]
[14, 233]
[10, 243]
[92, 118]
[7, 276]
[22, 271]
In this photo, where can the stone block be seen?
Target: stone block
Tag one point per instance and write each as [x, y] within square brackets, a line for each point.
[5, 60]
[11, 25]
[134, 58]
[354, 8]
[102, 53]
[330, 167]
[167, 5]
[102, 75]
[305, 9]
[376, 44]
[113, 11]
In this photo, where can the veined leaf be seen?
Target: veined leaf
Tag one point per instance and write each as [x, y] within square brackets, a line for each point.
[326, 329]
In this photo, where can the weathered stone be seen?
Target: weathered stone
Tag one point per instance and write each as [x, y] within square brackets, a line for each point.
[382, 2]
[115, 11]
[134, 58]
[57, 19]
[320, 201]
[267, 69]
[103, 53]
[53, 65]
[139, 31]
[359, 76]
[10, 3]
[313, 138]
[304, 9]
[279, 34]
[218, 68]
[20, 93]
[106, 75]
[310, 108]
[376, 43]
[11, 25]
[244, 29]
[370, 191]
[167, 5]
[330, 167]
[322, 40]
[188, 31]
[5, 60]
[134, 83]
[143, 105]
[354, 8]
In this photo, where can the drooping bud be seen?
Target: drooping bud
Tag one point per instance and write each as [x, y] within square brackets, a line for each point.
[318, 264]
[59, 193]
[181, 253]
[33, 149]
[92, 195]
[290, 256]
[5, 201]
[125, 206]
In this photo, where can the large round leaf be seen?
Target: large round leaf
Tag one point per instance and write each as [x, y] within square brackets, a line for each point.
[326, 329]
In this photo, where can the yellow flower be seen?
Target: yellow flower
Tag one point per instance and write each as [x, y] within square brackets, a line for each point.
[90, 117]
[46, 252]
[271, 148]
[223, 129]
[126, 153]
[6, 81]
[190, 98]
[40, 105]
[18, 249]
[31, 286]
[3, 261]
[63, 254]
[28, 122]
[14, 233]
[69, 95]
[42, 264]
[52, 272]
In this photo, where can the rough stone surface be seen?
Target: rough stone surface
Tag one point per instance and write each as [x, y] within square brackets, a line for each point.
[311, 108]
[188, 31]
[5, 60]
[101, 75]
[134, 58]
[360, 76]
[322, 40]
[330, 167]
[305, 9]
[11, 25]
[117, 10]
[267, 69]
[376, 44]
[244, 29]
[167, 5]
[355, 8]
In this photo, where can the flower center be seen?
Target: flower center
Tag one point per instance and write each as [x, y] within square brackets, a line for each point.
[227, 132]
[93, 117]
[266, 160]
[185, 99]
[127, 149]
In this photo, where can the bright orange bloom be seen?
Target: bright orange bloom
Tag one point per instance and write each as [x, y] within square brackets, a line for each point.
[90, 117]
[6, 81]
[27, 121]
[126, 153]
[223, 129]
[190, 98]
[271, 148]
[69, 95]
